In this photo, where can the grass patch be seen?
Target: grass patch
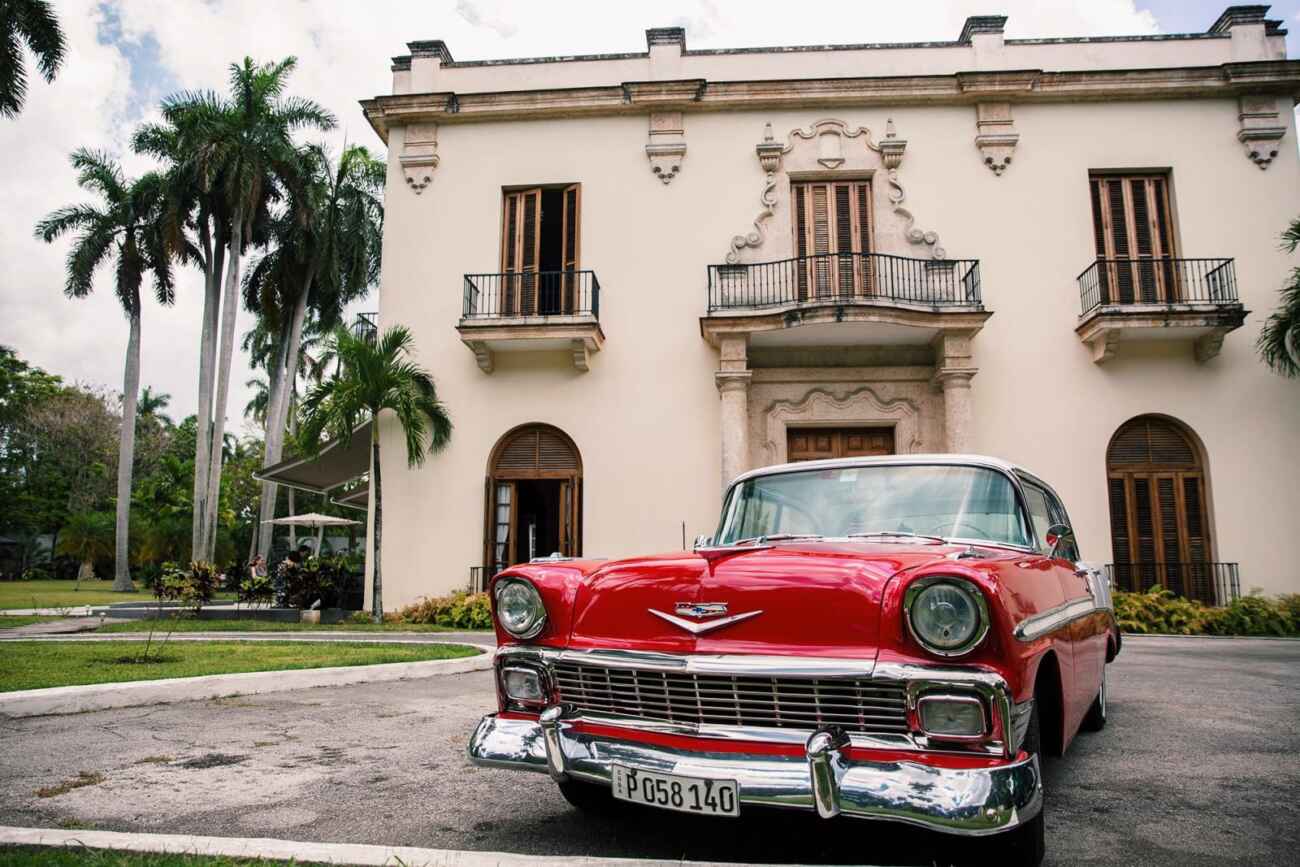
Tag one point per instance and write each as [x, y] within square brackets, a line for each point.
[192, 625]
[80, 781]
[79, 856]
[40, 664]
[64, 594]
[13, 621]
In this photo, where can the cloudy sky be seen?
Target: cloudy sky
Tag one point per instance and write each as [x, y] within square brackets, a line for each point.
[125, 55]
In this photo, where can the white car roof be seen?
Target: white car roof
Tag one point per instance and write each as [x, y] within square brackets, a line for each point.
[896, 460]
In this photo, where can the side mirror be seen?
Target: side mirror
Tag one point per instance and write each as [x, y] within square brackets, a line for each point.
[1059, 536]
[702, 542]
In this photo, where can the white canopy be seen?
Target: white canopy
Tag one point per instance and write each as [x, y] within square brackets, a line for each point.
[311, 519]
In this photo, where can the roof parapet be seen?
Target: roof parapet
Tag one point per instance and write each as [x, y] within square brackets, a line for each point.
[981, 24]
[430, 48]
[665, 36]
[1235, 15]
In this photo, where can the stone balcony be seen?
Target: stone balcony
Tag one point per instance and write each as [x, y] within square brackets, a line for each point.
[532, 311]
[1127, 301]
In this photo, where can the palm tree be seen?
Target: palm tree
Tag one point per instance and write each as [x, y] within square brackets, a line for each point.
[1279, 340]
[151, 404]
[372, 378]
[32, 22]
[241, 149]
[124, 225]
[88, 536]
[324, 253]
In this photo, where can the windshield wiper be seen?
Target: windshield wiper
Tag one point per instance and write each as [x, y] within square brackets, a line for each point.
[903, 534]
[775, 537]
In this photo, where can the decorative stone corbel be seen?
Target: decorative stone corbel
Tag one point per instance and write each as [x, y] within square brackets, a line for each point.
[1261, 127]
[892, 147]
[419, 155]
[769, 152]
[667, 145]
[995, 134]
[482, 355]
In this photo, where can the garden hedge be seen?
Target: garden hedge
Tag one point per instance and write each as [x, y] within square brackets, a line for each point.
[1158, 611]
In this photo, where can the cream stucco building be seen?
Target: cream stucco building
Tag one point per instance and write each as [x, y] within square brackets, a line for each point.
[637, 275]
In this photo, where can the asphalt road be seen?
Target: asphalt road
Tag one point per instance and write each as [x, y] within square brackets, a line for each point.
[1200, 765]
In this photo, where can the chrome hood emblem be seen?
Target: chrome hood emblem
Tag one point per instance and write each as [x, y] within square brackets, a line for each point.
[699, 611]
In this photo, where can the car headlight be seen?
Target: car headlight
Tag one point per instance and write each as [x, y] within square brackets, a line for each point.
[947, 615]
[519, 607]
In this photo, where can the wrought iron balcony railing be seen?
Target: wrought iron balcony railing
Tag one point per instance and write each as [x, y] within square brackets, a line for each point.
[1157, 282]
[846, 278]
[366, 326]
[516, 294]
[1211, 583]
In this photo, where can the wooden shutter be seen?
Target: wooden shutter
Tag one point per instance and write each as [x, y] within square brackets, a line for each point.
[570, 247]
[1133, 227]
[832, 229]
[520, 251]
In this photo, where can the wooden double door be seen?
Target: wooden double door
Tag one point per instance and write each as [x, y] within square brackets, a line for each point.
[818, 443]
[533, 497]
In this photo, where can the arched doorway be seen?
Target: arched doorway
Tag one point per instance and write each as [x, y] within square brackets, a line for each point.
[1159, 518]
[533, 497]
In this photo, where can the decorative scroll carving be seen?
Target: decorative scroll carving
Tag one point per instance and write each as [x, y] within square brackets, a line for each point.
[995, 134]
[419, 155]
[667, 145]
[862, 406]
[1261, 127]
[769, 157]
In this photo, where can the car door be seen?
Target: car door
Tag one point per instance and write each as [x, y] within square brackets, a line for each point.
[1043, 514]
[1089, 634]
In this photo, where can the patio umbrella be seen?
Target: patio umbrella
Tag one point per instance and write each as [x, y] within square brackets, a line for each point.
[315, 520]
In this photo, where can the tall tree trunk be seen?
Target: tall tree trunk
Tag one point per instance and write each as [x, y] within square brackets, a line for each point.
[207, 370]
[229, 308]
[283, 382]
[267, 503]
[377, 600]
[126, 457]
[293, 531]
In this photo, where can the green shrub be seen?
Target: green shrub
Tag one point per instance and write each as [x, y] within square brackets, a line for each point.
[459, 611]
[1158, 611]
[254, 589]
[194, 587]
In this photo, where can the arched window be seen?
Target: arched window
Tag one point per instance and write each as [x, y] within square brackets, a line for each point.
[533, 497]
[1159, 521]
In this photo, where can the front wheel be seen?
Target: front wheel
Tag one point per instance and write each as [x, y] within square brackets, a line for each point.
[1095, 720]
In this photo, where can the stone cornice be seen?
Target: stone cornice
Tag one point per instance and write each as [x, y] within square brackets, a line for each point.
[1281, 77]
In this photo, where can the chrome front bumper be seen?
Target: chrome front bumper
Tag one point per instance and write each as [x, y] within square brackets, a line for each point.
[967, 801]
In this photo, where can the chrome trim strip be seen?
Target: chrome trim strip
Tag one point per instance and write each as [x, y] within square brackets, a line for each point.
[970, 802]
[1044, 622]
[697, 663]
[712, 731]
[698, 628]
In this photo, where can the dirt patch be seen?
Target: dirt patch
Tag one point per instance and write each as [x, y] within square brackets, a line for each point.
[211, 760]
[155, 760]
[81, 780]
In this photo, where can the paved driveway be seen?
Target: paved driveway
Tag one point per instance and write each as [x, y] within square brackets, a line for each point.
[1200, 765]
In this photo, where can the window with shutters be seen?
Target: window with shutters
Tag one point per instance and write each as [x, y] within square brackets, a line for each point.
[539, 250]
[533, 497]
[832, 235]
[1159, 525]
[1133, 231]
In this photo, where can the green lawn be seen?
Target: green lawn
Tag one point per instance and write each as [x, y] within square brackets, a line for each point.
[76, 856]
[39, 664]
[191, 625]
[10, 621]
[64, 594]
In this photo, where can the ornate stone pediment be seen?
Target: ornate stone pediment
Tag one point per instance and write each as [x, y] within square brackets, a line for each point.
[861, 407]
[831, 145]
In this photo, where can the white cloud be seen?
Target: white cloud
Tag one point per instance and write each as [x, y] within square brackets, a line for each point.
[343, 50]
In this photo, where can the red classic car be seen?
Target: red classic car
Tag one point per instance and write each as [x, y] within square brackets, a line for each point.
[886, 638]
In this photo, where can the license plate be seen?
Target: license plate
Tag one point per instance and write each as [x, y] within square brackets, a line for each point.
[675, 792]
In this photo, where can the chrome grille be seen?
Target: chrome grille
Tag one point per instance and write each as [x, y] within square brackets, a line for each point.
[856, 704]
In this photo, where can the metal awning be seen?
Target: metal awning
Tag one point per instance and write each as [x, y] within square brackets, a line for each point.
[333, 467]
[355, 499]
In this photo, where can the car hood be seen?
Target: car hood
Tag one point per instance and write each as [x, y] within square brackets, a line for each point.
[817, 598]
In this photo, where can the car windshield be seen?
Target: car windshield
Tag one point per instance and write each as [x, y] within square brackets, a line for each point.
[952, 502]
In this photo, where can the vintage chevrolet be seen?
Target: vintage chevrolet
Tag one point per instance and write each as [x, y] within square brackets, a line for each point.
[894, 638]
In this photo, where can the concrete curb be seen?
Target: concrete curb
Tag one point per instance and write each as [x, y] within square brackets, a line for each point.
[102, 696]
[327, 853]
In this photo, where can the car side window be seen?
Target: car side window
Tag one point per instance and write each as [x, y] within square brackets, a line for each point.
[1040, 512]
[1070, 551]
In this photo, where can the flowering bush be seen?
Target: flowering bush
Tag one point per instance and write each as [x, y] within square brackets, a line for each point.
[458, 611]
